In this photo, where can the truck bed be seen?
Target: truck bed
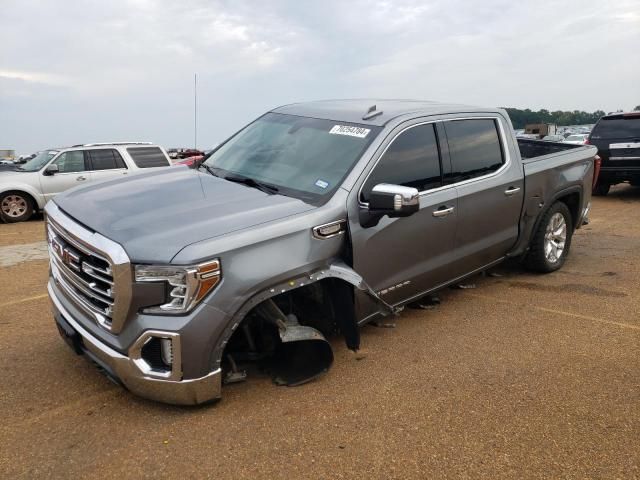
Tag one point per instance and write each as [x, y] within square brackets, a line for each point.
[530, 149]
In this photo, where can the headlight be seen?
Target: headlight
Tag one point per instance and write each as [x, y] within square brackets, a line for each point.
[187, 284]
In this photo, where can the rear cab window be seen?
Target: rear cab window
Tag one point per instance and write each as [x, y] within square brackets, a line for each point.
[148, 157]
[475, 148]
[411, 160]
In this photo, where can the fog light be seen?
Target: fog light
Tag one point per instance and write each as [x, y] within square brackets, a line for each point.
[158, 354]
[167, 351]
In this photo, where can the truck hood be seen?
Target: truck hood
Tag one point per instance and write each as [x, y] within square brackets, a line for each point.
[155, 215]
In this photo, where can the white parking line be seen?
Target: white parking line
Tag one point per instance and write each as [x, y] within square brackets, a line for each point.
[23, 300]
[558, 312]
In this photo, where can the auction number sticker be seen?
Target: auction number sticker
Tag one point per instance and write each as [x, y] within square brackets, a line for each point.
[351, 131]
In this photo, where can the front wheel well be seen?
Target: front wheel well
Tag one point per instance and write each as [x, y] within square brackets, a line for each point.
[326, 306]
[23, 214]
[27, 195]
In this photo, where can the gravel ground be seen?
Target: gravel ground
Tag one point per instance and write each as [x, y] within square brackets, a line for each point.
[525, 376]
[15, 254]
[12, 234]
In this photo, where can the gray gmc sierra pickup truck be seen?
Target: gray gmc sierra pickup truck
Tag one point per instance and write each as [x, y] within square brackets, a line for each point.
[313, 220]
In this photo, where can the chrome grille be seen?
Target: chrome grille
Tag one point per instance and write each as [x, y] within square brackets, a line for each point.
[86, 275]
[93, 271]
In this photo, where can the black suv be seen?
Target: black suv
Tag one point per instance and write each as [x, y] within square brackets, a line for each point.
[617, 137]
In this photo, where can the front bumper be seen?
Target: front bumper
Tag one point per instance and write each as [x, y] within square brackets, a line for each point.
[125, 371]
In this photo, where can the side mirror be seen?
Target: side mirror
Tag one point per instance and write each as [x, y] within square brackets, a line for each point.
[51, 169]
[392, 200]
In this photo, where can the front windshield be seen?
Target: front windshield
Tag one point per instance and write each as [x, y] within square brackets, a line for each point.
[303, 157]
[39, 161]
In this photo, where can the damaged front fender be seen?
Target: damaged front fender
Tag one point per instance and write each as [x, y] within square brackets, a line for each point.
[344, 272]
[336, 270]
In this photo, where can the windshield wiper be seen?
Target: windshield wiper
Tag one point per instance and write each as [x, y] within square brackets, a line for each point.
[250, 182]
[209, 169]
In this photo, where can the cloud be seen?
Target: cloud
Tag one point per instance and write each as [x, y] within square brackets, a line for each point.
[93, 70]
[35, 77]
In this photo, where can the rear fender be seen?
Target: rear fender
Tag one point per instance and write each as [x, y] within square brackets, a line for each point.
[535, 209]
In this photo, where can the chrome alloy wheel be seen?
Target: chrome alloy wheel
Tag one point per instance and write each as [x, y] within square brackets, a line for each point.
[555, 238]
[14, 206]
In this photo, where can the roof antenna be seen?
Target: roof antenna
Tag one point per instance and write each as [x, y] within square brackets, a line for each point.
[371, 113]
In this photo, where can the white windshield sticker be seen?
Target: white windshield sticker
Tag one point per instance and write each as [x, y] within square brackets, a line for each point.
[351, 131]
[321, 183]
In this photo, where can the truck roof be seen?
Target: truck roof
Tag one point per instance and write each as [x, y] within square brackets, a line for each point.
[363, 111]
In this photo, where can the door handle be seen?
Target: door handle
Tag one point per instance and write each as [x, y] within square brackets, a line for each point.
[81, 178]
[443, 211]
[511, 191]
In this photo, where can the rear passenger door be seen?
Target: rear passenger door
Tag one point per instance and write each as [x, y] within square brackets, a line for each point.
[490, 187]
[105, 164]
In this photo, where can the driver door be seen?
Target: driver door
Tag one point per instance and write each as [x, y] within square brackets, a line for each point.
[403, 257]
[73, 171]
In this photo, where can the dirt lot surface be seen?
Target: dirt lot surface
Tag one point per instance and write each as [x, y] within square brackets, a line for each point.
[12, 234]
[525, 376]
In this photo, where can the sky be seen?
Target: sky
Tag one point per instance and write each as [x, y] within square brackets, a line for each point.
[90, 71]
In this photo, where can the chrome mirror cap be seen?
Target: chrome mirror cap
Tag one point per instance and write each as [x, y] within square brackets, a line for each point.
[394, 200]
[391, 200]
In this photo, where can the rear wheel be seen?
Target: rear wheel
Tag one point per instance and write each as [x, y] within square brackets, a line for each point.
[15, 207]
[551, 242]
[601, 189]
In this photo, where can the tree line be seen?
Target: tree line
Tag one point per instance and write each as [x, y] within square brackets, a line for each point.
[520, 118]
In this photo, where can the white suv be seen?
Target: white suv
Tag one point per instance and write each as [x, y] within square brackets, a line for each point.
[27, 188]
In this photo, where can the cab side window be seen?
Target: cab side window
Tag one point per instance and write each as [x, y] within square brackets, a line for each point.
[105, 159]
[474, 148]
[69, 162]
[412, 160]
[148, 157]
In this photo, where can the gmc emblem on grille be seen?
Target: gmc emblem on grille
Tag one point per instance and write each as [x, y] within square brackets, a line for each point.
[66, 255]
